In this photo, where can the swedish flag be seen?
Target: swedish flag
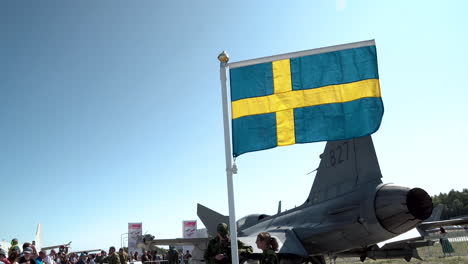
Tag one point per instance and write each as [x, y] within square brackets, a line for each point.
[325, 94]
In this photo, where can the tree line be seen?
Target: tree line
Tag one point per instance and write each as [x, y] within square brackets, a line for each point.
[456, 203]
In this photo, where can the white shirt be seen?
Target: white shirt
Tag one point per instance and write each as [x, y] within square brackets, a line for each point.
[49, 260]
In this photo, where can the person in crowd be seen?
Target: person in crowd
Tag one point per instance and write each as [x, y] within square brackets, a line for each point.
[172, 255]
[65, 259]
[73, 259]
[40, 259]
[14, 247]
[219, 248]
[135, 256]
[27, 256]
[187, 257]
[123, 257]
[14, 257]
[50, 259]
[144, 257]
[269, 246]
[101, 257]
[447, 248]
[83, 259]
[62, 249]
[3, 257]
[32, 247]
[91, 259]
[113, 257]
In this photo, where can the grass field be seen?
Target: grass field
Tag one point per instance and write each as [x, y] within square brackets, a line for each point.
[431, 260]
[430, 255]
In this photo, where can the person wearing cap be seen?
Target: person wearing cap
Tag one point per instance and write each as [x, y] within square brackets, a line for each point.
[14, 247]
[219, 248]
[32, 247]
[27, 256]
[3, 257]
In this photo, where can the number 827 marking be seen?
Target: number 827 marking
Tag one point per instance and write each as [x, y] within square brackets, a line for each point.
[339, 154]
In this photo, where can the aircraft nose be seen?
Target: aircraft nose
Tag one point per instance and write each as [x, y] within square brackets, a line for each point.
[400, 209]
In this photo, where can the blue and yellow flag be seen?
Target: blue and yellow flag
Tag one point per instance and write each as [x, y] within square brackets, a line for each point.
[317, 95]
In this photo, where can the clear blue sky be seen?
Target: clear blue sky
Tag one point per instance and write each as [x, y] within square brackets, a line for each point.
[111, 110]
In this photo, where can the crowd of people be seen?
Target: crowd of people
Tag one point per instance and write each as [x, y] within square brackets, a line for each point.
[217, 252]
[28, 254]
[172, 256]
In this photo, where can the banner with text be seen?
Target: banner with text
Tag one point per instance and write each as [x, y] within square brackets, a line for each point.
[189, 230]
[134, 231]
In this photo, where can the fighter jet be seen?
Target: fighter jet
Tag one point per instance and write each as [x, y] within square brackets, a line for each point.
[348, 211]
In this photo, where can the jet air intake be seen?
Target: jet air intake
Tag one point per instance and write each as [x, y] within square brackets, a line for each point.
[400, 209]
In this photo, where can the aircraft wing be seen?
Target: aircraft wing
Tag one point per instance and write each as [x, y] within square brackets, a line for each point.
[288, 243]
[87, 251]
[433, 224]
[57, 246]
[178, 241]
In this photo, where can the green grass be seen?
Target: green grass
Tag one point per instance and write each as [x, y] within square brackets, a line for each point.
[430, 255]
[432, 260]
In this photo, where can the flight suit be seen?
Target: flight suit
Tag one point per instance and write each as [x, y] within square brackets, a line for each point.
[112, 259]
[123, 258]
[217, 246]
[269, 257]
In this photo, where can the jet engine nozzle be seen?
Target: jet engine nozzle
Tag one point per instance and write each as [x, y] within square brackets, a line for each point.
[400, 209]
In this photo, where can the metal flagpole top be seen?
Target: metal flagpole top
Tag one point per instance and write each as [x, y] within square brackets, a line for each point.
[223, 57]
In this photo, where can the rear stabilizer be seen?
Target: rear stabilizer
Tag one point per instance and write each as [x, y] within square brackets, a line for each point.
[211, 218]
[344, 165]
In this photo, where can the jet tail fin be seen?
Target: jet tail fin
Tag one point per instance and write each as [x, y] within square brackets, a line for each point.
[436, 213]
[344, 165]
[38, 238]
[211, 218]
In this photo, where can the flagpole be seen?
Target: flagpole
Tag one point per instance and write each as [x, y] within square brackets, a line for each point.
[223, 59]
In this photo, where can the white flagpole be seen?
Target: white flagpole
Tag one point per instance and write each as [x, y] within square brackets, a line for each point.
[224, 58]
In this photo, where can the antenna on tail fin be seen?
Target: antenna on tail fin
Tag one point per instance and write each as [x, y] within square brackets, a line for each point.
[344, 165]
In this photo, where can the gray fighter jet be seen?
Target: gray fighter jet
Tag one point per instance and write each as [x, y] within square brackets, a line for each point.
[348, 211]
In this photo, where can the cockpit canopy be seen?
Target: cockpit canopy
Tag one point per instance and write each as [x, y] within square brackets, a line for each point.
[250, 220]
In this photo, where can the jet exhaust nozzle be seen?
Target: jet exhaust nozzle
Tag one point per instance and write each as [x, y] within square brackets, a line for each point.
[400, 209]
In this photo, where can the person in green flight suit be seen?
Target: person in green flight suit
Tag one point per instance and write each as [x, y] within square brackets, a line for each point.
[269, 246]
[112, 258]
[123, 257]
[219, 248]
[172, 255]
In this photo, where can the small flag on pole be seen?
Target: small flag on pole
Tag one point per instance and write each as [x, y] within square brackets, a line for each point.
[323, 94]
